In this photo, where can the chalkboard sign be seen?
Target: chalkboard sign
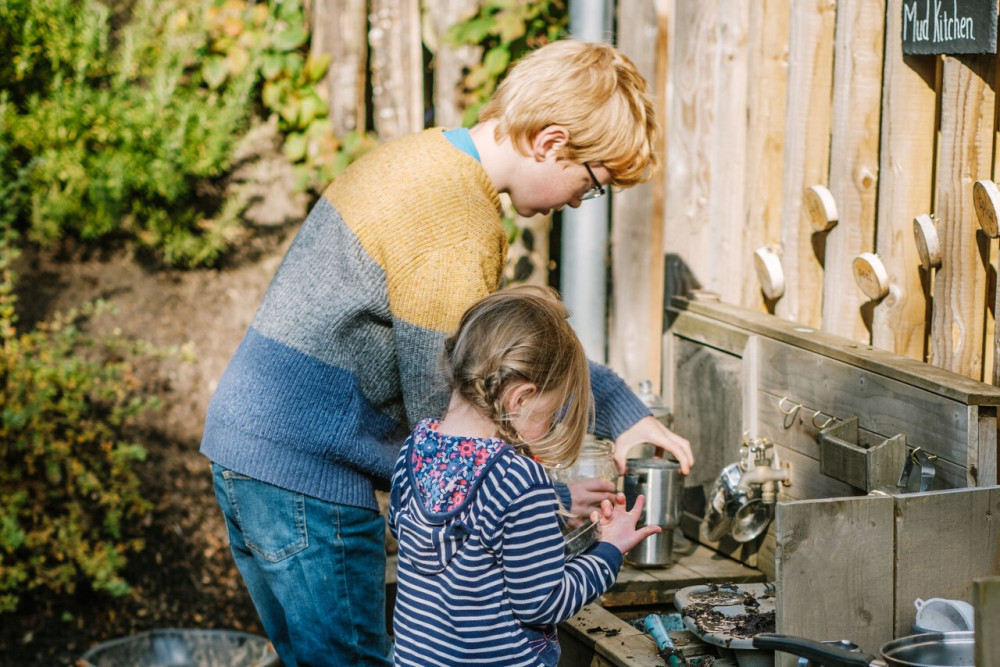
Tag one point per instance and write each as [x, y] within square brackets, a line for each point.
[949, 26]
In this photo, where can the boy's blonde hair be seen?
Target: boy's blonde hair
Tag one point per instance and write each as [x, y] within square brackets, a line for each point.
[517, 335]
[591, 89]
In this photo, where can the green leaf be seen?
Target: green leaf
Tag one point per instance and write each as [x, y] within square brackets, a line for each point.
[473, 31]
[511, 27]
[496, 60]
[295, 147]
[317, 67]
[215, 71]
[290, 39]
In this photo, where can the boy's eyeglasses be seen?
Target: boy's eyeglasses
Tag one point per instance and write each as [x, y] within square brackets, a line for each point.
[594, 192]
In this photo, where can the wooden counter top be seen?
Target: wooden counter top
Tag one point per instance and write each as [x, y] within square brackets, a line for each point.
[652, 586]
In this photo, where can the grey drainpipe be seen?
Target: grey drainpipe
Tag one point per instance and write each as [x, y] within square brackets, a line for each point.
[584, 271]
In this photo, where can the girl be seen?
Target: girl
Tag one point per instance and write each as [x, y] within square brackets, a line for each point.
[482, 574]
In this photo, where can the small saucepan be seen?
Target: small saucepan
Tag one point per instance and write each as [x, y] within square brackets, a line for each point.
[932, 649]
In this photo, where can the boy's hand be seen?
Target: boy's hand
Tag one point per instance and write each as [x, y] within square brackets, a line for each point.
[617, 526]
[587, 495]
[649, 430]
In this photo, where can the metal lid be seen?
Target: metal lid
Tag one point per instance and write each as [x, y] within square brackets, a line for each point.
[652, 464]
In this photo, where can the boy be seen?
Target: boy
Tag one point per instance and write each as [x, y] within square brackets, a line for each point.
[340, 361]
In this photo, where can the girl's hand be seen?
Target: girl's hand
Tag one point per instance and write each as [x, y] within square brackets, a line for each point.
[649, 430]
[617, 526]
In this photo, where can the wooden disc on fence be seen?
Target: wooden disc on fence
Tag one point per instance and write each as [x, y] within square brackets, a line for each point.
[986, 197]
[871, 276]
[767, 263]
[821, 207]
[928, 245]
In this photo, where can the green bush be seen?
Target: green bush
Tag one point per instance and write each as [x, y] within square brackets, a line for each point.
[126, 137]
[132, 120]
[68, 490]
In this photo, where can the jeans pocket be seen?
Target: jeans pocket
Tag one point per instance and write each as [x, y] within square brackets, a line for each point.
[272, 519]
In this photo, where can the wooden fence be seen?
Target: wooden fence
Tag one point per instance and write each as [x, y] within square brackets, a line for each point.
[812, 170]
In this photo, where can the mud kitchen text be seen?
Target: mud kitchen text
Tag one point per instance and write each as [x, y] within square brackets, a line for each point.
[939, 23]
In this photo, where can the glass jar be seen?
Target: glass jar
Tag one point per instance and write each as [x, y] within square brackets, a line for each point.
[596, 460]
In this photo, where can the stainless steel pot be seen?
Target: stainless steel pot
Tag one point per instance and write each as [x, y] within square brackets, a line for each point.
[932, 649]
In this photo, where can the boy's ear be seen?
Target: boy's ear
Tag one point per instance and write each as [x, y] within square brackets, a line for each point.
[548, 139]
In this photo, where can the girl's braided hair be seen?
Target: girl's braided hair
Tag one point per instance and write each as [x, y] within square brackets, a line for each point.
[517, 335]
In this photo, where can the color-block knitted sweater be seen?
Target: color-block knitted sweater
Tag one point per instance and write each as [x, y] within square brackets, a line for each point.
[341, 359]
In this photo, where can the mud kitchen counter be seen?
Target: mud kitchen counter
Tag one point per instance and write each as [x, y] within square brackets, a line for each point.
[602, 633]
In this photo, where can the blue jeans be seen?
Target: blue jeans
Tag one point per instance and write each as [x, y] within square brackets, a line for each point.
[315, 571]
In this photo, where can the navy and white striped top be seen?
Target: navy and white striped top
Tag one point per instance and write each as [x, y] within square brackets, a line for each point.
[482, 574]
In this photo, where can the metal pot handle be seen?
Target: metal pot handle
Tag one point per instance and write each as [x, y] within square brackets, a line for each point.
[819, 652]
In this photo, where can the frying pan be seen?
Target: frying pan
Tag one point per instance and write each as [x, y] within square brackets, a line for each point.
[932, 649]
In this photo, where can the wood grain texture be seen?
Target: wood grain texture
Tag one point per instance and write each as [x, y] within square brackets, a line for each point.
[854, 158]
[767, 83]
[834, 570]
[397, 68]
[340, 29]
[965, 152]
[635, 324]
[944, 540]
[808, 122]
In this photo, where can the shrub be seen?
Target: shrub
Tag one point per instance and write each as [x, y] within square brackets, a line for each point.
[68, 489]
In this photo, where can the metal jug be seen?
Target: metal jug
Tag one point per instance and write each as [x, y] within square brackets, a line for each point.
[661, 482]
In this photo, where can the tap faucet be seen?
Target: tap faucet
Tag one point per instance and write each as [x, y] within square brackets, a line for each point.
[762, 471]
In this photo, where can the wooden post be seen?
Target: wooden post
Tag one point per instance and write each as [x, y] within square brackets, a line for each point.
[396, 67]
[965, 153]
[807, 155]
[906, 172]
[854, 146]
[340, 29]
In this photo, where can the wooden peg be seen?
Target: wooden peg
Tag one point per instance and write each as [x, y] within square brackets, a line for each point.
[871, 276]
[767, 263]
[928, 245]
[986, 197]
[821, 207]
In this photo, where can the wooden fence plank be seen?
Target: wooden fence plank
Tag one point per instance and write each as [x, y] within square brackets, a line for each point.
[690, 122]
[807, 153]
[728, 160]
[397, 67]
[854, 152]
[965, 153]
[635, 326]
[906, 173]
[766, 99]
[449, 61]
[340, 29]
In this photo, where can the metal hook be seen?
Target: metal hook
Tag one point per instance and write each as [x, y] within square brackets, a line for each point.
[790, 413]
[824, 424]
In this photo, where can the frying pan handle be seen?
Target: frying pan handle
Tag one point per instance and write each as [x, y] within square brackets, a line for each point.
[813, 650]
